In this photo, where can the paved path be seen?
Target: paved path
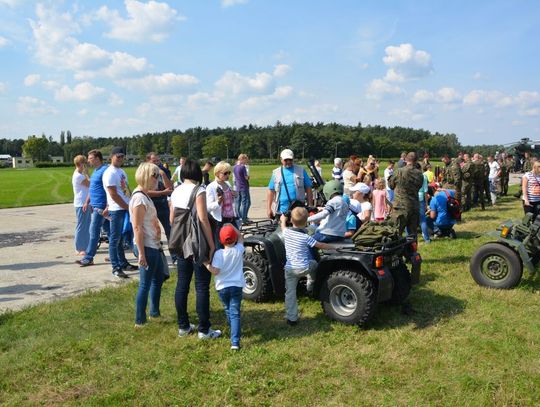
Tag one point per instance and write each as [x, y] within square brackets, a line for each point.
[37, 257]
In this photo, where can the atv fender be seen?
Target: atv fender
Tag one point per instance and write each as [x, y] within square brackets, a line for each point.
[276, 259]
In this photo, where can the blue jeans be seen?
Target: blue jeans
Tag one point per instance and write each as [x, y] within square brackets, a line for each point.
[82, 229]
[423, 222]
[321, 237]
[242, 202]
[202, 292]
[151, 280]
[231, 298]
[116, 247]
[96, 221]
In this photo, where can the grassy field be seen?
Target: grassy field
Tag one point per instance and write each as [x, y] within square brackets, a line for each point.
[45, 186]
[461, 345]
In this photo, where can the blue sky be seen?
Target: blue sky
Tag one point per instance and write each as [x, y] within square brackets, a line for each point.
[118, 68]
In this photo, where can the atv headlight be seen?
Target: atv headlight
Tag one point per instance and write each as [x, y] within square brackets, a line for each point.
[504, 231]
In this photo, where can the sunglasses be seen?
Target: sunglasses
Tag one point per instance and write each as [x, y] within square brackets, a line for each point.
[226, 173]
[155, 175]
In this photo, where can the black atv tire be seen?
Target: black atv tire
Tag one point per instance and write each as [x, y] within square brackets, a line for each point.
[349, 297]
[496, 266]
[402, 284]
[258, 286]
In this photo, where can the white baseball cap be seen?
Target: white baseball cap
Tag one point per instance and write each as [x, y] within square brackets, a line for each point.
[287, 154]
[360, 187]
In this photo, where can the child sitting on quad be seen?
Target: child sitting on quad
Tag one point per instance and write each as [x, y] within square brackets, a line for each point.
[333, 215]
[300, 261]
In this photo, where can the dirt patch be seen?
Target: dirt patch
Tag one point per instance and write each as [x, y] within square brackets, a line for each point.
[17, 239]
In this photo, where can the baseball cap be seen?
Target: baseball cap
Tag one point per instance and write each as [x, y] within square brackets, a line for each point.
[287, 154]
[227, 234]
[118, 150]
[360, 187]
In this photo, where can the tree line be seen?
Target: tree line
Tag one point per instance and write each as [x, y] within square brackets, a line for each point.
[319, 140]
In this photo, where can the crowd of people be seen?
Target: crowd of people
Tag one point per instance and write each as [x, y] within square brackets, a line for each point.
[409, 192]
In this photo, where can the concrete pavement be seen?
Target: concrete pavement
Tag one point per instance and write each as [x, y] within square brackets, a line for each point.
[37, 256]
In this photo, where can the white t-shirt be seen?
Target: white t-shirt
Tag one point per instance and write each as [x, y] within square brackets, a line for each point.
[182, 193]
[80, 191]
[116, 177]
[387, 173]
[365, 206]
[347, 182]
[149, 221]
[230, 262]
[494, 168]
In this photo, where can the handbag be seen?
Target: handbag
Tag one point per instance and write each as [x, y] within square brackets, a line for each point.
[187, 238]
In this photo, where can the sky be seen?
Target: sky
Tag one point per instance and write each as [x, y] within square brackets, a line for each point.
[119, 68]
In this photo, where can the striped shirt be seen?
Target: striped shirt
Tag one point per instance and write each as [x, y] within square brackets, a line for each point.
[297, 248]
[533, 187]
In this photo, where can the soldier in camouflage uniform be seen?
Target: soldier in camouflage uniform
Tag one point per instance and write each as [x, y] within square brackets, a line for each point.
[505, 175]
[478, 179]
[467, 172]
[451, 175]
[406, 181]
[527, 163]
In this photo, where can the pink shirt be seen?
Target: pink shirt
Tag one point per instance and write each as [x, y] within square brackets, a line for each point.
[379, 197]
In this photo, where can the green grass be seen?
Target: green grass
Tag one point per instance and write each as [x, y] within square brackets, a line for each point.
[462, 345]
[45, 186]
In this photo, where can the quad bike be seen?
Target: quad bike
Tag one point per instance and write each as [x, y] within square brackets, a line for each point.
[500, 264]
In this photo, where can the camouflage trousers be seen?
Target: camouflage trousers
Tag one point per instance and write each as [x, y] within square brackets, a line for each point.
[406, 217]
[466, 190]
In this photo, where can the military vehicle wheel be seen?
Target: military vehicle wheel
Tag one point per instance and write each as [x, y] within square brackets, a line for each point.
[257, 275]
[402, 284]
[348, 297]
[496, 266]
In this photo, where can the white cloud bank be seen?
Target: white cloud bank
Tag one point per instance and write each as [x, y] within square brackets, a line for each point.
[149, 21]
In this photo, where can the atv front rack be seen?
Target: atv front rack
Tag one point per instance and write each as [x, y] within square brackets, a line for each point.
[260, 227]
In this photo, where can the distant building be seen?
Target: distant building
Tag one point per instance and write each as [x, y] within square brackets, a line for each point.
[23, 162]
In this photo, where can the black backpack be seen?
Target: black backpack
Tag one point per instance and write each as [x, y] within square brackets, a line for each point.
[453, 206]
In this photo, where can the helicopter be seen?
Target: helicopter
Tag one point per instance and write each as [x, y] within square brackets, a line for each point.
[522, 147]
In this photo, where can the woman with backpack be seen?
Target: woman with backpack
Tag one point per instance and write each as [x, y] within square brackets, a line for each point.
[188, 200]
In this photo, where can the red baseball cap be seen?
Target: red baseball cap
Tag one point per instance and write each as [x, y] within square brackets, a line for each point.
[227, 235]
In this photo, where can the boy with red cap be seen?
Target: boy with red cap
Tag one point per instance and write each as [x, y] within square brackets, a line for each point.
[227, 267]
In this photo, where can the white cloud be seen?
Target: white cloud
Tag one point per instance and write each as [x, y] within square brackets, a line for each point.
[201, 99]
[233, 82]
[50, 85]
[230, 3]
[406, 63]
[80, 93]
[448, 95]
[254, 102]
[478, 76]
[2, 87]
[482, 97]
[167, 82]
[3, 41]
[32, 105]
[115, 100]
[56, 46]
[82, 112]
[32, 79]
[281, 70]
[11, 3]
[149, 21]
[378, 89]
[530, 112]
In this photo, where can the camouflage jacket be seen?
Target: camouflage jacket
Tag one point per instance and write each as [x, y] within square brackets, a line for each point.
[451, 174]
[467, 171]
[406, 182]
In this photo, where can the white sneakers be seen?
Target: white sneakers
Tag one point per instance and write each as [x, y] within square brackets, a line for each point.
[212, 333]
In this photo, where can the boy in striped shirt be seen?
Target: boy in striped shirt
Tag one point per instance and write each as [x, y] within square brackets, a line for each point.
[300, 263]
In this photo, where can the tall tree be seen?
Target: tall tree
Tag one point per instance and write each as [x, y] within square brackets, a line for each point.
[68, 137]
[36, 148]
[179, 145]
[62, 138]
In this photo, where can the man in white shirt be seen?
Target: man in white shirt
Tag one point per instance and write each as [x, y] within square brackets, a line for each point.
[494, 175]
[388, 172]
[116, 186]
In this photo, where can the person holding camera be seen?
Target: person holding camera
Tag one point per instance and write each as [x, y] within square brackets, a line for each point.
[289, 183]
[220, 200]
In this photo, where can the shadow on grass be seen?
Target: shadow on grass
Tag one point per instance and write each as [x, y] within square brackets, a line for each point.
[264, 325]
[447, 260]
[424, 308]
[24, 288]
